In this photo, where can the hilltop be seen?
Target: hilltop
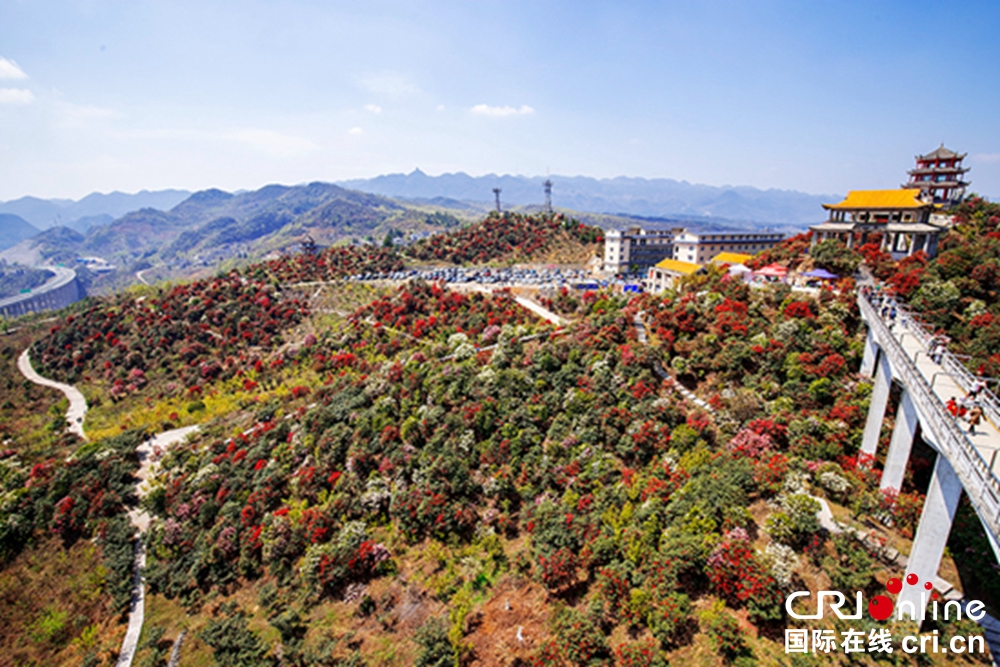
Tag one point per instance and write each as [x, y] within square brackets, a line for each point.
[190, 231]
[14, 229]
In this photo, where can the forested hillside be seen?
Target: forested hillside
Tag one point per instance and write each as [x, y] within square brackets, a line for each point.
[412, 475]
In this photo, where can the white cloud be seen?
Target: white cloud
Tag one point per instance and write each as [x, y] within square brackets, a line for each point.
[986, 157]
[502, 112]
[273, 144]
[374, 108]
[440, 107]
[356, 131]
[81, 115]
[16, 96]
[389, 83]
[10, 70]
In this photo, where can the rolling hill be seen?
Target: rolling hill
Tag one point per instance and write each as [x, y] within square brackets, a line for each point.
[212, 226]
[14, 229]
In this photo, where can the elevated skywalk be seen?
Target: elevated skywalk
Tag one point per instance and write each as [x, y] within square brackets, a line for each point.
[897, 351]
[930, 385]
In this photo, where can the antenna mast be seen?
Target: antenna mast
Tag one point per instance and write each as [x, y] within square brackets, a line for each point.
[496, 193]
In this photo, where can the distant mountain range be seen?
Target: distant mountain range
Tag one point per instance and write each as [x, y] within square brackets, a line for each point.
[656, 198]
[94, 209]
[176, 228]
[212, 226]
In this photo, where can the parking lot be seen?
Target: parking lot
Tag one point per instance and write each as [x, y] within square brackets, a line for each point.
[537, 277]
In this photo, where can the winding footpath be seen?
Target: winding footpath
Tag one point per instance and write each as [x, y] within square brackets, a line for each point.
[77, 410]
[140, 519]
[75, 415]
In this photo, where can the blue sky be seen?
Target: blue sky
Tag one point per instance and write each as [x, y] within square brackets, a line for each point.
[815, 96]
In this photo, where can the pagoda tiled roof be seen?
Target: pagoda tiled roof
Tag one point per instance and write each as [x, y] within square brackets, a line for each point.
[941, 153]
[908, 198]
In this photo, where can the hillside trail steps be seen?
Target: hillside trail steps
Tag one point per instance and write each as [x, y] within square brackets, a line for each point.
[640, 332]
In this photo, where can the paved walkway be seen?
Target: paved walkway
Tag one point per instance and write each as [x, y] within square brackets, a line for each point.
[986, 438]
[540, 310]
[77, 410]
[140, 519]
[533, 306]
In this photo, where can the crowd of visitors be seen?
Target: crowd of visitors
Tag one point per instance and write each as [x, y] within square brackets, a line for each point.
[968, 408]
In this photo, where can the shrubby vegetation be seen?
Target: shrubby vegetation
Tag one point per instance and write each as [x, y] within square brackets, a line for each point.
[626, 495]
[507, 236]
[464, 429]
[82, 498]
[957, 291]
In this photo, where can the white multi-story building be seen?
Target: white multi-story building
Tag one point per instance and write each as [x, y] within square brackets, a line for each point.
[635, 249]
[701, 247]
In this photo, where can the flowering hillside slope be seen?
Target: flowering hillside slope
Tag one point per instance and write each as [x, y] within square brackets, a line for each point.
[437, 478]
[507, 237]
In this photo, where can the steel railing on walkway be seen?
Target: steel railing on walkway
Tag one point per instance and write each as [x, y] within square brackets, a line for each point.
[972, 469]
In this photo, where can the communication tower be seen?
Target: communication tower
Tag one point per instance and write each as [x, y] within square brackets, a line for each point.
[548, 195]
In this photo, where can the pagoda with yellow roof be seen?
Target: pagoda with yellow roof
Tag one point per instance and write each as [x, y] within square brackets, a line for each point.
[897, 219]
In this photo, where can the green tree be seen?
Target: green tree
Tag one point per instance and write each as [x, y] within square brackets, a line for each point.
[836, 257]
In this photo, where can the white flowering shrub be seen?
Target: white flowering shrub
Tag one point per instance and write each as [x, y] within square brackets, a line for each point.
[783, 563]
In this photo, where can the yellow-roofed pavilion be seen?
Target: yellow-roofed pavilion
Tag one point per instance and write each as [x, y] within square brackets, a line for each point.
[898, 219]
[662, 276]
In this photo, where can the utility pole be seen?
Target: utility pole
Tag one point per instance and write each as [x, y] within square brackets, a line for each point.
[496, 193]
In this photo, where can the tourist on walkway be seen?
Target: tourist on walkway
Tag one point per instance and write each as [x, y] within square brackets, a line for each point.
[952, 406]
[932, 348]
[975, 414]
[977, 388]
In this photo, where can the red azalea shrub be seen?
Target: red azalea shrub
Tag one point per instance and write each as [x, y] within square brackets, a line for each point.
[559, 570]
[641, 653]
[904, 508]
[880, 262]
[790, 252]
[737, 575]
[770, 471]
[798, 309]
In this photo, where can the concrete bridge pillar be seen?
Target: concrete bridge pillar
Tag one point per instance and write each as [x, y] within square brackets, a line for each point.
[876, 409]
[932, 535]
[871, 352]
[902, 442]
